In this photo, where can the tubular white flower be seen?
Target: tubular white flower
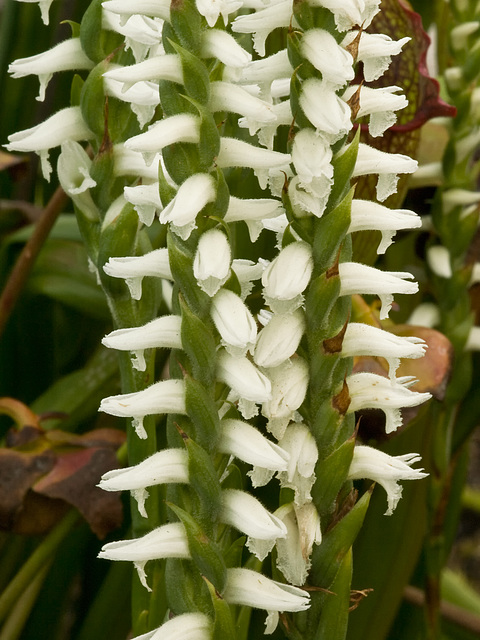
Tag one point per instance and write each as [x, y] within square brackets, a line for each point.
[167, 541]
[327, 112]
[67, 124]
[350, 13]
[186, 626]
[167, 396]
[266, 70]
[243, 441]
[364, 340]
[360, 278]
[164, 67]
[369, 391]
[312, 157]
[375, 50]
[322, 50]
[386, 470]
[141, 34]
[300, 445]
[193, 194]
[223, 46]
[279, 340]
[211, 265]
[250, 588]
[426, 314]
[263, 22]
[183, 127]
[244, 512]
[152, 8]
[146, 201]
[386, 165]
[163, 332]
[243, 378]
[211, 9]
[247, 272]
[253, 211]
[226, 96]
[73, 170]
[132, 163]
[237, 153]
[142, 97]
[294, 550]
[234, 322]
[287, 276]
[134, 268]
[65, 56]
[44, 6]
[289, 387]
[380, 104]
[164, 467]
[439, 261]
[367, 215]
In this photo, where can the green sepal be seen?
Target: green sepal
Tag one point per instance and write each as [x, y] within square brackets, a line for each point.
[327, 372]
[181, 160]
[89, 27]
[470, 69]
[74, 26]
[303, 226]
[166, 190]
[108, 188]
[328, 556]
[322, 294]
[214, 212]
[199, 343]
[205, 553]
[187, 24]
[203, 412]
[204, 482]
[117, 239]
[76, 90]
[233, 555]
[299, 117]
[309, 17]
[331, 473]
[195, 75]
[331, 426]
[330, 230]
[304, 68]
[181, 264]
[186, 589]
[209, 145]
[172, 101]
[333, 621]
[224, 626]
[343, 165]
[92, 100]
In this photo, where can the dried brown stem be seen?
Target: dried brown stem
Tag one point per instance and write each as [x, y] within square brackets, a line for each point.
[28, 255]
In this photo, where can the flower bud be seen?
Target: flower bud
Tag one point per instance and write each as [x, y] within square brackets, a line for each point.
[300, 445]
[192, 196]
[279, 340]
[211, 266]
[234, 323]
[287, 276]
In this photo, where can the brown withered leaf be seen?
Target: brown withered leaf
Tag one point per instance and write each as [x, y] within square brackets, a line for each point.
[18, 471]
[9, 160]
[73, 479]
[43, 473]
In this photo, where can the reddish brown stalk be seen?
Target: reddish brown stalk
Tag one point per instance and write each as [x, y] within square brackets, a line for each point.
[28, 255]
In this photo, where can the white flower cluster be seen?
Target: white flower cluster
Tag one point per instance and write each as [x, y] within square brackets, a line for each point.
[260, 366]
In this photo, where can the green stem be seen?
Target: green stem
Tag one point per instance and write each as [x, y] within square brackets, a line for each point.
[35, 563]
[15, 622]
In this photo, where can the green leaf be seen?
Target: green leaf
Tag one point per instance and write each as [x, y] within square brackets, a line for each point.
[335, 614]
